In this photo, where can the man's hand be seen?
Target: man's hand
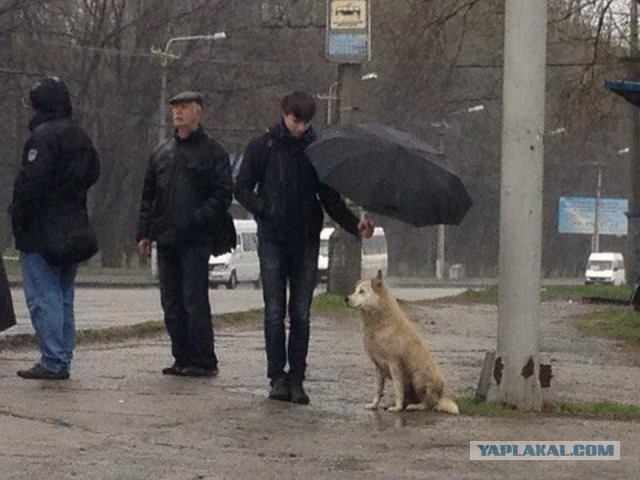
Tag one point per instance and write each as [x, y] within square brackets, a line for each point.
[144, 247]
[365, 227]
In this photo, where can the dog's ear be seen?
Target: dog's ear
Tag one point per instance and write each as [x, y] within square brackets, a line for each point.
[376, 284]
[379, 275]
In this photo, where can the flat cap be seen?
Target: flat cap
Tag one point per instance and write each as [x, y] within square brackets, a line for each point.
[187, 97]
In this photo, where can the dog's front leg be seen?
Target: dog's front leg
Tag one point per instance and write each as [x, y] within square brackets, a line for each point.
[379, 390]
[398, 385]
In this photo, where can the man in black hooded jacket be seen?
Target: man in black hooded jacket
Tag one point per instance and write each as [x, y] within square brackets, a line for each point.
[280, 187]
[50, 223]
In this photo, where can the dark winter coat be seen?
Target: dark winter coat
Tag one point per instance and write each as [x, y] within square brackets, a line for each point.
[287, 203]
[187, 192]
[59, 165]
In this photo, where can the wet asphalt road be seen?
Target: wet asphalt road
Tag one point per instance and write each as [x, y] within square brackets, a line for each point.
[109, 307]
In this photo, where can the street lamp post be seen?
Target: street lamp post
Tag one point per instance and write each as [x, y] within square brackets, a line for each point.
[440, 239]
[165, 57]
[595, 241]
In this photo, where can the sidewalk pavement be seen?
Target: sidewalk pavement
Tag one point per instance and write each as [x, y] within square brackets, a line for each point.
[118, 417]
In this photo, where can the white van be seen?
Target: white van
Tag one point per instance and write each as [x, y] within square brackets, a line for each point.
[241, 264]
[374, 253]
[605, 267]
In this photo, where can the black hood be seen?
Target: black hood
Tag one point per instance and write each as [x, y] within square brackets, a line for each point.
[51, 95]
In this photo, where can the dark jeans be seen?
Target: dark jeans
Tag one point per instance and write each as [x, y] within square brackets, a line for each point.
[184, 292]
[281, 263]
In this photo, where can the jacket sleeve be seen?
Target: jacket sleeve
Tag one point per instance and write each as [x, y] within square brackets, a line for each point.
[220, 189]
[34, 181]
[250, 174]
[146, 201]
[337, 209]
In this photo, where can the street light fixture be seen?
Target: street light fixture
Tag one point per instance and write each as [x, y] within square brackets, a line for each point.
[595, 240]
[165, 57]
[440, 238]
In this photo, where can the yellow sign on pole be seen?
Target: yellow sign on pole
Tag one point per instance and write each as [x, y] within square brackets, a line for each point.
[348, 15]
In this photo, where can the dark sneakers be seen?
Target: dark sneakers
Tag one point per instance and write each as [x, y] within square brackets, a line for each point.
[190, 371]
[280, 390]
[194, 371]
[38, 372]
[174, 369]
[298, 394]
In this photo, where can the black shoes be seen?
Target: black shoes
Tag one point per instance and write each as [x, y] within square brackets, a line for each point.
[38, 372]
[193, 371]
[174, 369]
[280, 390]
[190, 371]
[298, 394]
[288, 391]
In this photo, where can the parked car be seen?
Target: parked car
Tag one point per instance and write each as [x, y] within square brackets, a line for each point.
[241, 264]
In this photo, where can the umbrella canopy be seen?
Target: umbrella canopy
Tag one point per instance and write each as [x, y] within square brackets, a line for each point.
[390, 172]
[628, 90]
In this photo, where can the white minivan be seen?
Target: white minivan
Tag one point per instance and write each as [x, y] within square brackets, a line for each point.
[374, 253]
[605, 267]
[241, 264]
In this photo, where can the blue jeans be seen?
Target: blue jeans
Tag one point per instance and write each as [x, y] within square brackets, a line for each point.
[184, 293]
[297, 266]
[49, 290]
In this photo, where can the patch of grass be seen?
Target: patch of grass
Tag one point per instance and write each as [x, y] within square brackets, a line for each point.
[549, 293]
[595, 410]
[618, 324]
[601, 410]
[576, 292]
[330, 304]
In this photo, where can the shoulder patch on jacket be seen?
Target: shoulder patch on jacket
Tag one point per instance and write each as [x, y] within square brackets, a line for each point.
[32, 154]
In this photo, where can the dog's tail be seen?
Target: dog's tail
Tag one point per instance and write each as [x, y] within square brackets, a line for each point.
[447, 405]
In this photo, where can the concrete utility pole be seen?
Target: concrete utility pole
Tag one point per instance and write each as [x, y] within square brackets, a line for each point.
[345, 254]
[633, 235]
[516, 366]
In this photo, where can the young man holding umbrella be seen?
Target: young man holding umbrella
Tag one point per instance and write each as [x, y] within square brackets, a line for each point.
[287, 205]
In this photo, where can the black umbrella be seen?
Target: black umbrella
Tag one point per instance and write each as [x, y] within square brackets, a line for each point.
[627, 89]
[390, 172]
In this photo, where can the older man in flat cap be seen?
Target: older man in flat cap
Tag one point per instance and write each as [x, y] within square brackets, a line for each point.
[187, 189]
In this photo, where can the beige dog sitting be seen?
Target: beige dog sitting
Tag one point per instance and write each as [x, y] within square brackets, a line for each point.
[398, 352]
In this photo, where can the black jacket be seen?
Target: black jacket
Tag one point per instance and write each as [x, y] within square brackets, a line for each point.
[187, 191]
[59, 165]
[287, 202]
